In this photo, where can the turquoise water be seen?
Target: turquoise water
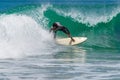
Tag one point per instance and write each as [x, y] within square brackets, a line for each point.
[28, 51]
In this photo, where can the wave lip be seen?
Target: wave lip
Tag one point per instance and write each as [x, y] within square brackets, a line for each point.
[90, 18]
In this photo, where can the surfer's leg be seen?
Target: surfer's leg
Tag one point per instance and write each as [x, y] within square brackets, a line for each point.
[71, 38]
[66, 31]
[70, 42]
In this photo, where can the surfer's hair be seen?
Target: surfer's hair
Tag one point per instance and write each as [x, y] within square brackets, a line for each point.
[56, 24]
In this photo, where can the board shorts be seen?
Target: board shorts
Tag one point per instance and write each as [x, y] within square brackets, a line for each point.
[65, 30]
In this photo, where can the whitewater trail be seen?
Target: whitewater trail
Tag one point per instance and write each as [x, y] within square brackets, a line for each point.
[20, 35]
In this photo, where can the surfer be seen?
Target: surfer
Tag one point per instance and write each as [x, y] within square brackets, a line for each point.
[58, 27]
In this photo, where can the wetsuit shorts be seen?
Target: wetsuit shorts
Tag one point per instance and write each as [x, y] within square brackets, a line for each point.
[65, 30]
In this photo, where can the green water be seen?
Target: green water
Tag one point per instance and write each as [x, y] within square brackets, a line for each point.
[27, 47]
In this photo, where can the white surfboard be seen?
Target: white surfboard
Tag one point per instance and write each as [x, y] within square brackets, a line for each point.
[66, 41]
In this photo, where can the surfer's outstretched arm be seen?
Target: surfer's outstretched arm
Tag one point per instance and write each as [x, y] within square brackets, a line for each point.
[54, 31]
[51, 30]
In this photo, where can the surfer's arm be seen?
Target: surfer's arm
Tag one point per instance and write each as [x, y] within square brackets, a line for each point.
[51, 29]
[54, 31]
[54, 34]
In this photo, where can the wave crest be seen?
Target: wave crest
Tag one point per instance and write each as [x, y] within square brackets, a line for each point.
[90, 18]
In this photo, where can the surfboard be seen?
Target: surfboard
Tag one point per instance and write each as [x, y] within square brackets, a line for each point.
[66, 41]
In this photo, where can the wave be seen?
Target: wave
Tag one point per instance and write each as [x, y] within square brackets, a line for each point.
[23, 29]
[91, 16]
[102, 29]
[20, 35]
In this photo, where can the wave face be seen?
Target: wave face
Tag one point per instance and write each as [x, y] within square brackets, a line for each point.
[99, 22]
[24, 29]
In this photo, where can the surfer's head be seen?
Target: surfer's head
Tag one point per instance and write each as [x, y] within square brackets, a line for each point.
[56, 24]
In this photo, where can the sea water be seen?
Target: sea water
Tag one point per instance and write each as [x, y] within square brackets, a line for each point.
[29, 52]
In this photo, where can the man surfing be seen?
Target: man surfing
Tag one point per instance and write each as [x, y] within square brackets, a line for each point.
[58, 27]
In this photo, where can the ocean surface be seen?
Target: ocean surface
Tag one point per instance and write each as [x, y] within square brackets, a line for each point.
[29, 52]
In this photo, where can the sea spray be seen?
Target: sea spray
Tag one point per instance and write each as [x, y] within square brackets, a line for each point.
[21, 35]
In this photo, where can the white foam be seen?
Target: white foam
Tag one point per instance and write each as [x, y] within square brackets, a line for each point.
[38, 14]
[20, 35]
